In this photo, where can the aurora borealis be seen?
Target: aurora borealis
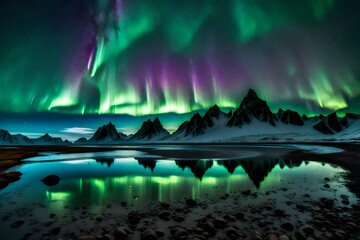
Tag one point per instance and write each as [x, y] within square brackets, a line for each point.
[144, 57]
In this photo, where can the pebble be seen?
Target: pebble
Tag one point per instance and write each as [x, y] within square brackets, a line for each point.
[220, 223]
[287, 226]
[148, 234]
[181, 234]
[18, 223]
[120, 233]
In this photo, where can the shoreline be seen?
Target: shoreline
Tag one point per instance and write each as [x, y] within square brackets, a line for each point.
[255, 215]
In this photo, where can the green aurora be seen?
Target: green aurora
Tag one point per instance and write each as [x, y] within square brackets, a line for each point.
[152, 57]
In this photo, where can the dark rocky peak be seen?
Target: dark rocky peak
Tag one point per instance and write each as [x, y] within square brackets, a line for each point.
[214, 112]
[349, 118]
[150, 129]
[329, 124]
[147, 163]
[252, 107]
[304, 117]
[81, 140]
[229, 114]
[291, 117]
[196, 126]
[106, 133]
[47, 139]
[123, 135]
[181, 128]
[197, 167]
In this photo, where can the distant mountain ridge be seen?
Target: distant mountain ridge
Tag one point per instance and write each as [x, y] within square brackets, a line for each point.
[17, 139]
[251, 121]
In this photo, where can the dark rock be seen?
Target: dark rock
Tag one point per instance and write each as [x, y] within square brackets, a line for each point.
[279, 213]
[326, 185]
[99, 219]
[307, 229]
[56, 230]
[178, 218]
[284, 237]
[134, 218]
[148, 234]
[191, 202]
[271, 236]
[220, 223]
[51, 180]
[239, 215]
[287, 226]
[300, 235]
[18, 223]
[160, 233]
[3, 183]
[10, 176]
[120, 233]
[209, 227]
[85, 238]
[164, 215]
[232, 233]
[165, 205]
[181, 233]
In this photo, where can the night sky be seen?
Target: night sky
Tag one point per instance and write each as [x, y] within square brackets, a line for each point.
[71, 58]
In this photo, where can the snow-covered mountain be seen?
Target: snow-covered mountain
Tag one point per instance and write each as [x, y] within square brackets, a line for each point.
[17, 139]
[253, 121]
[150, 130]
[106, 134]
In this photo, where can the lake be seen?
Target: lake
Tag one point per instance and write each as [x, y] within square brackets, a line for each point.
[116, 182]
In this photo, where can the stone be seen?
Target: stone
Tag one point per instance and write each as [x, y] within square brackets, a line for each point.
[191, 202]
[56, 230]
[300, 235]
[85, 238]
[11, 176]
[284, 237]
[120, 233]
[279, 213]
[181, 233]
[287, 226]
[3, 183]
[209, 227]
[220, 223]
[148, 234]
[51, 180]
[232, 232]
[134, 218]
[307, 229]
[326, 185]
[164, 215]
[165, 205]
[178, 218]
[239, 215]
[17, 223]
[271, 236]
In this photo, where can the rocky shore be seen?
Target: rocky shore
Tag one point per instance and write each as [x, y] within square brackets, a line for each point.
[235, 215]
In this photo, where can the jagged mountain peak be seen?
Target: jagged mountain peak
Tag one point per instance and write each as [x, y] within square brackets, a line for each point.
[329, 124]
[105, 133]
[213, 113]
[251, 95]
[291, 117]
[252, 107]
[150, 129]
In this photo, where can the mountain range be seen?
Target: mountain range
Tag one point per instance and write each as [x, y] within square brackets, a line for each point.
[252, 121]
